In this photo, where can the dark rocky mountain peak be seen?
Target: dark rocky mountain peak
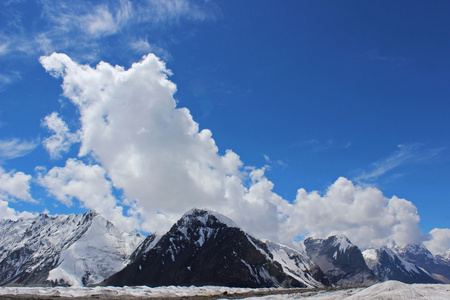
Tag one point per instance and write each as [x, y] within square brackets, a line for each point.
[340, 260]
[206, 248]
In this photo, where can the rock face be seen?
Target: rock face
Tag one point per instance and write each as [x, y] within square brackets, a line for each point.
[422, 257]
[341, 261]
[387, 265]
[65, 249]
[206, 248]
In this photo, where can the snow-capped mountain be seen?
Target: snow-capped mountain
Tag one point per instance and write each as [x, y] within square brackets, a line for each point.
[202, 248]
[64, 249]
[422, 257]
[206, 248]
[387, 265]
[340, 260]
[444, 258]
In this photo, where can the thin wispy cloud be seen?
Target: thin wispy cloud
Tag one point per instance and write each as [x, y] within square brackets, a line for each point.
[270, 163]
[81, 24]
[316, 145]
[376, 55]
[14, 148]
[406, 154]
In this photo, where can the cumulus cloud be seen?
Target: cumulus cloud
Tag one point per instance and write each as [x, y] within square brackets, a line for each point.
[62, 138]
[15, 186]
[362, 213]
[439, 242]
[88, 184]
[7, 212]
[14, 148]
[155, 152]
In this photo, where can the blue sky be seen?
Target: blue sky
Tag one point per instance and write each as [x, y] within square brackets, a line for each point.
[346, 96]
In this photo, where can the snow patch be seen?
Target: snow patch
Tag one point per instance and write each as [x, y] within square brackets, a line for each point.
[343, 242]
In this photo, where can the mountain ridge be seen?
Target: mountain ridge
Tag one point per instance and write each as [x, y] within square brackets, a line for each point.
[202, 248]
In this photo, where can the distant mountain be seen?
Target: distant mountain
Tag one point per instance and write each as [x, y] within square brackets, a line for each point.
[65, 249]
[340, 260]
[444, 258]
[388, 265]
[422, 257]
[206, 248]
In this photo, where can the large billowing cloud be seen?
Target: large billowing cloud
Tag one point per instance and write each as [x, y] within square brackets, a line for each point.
[362, 213]
[151, 149]
[154, 151]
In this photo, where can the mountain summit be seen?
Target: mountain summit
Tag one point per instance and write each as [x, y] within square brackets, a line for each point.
[206, 248]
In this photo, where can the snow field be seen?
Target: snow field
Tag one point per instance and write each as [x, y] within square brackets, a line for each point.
[381, 291]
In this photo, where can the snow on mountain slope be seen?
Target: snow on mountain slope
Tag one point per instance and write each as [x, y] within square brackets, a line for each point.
[72, 249]
[206, 248]
[387, 265]
[297, 264]
[100, 252]
[422, 257]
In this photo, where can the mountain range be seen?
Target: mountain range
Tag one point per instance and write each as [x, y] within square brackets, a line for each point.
[202, 248]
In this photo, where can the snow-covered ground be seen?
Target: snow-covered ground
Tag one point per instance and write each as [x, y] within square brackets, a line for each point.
[156, 292]
[381, 291]
[385, 290]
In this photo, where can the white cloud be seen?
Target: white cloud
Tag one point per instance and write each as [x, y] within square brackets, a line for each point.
[154, 151]
[105, 22]
[362, 213]
[270, 162]
[439, 242]
[151, 149]
[7, 212]
[172, 11]
[15, 186]
[14, 148]
[83, 28]
[89, 185]
[62, 138]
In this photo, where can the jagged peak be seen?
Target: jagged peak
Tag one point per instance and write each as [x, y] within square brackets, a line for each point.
[413, 248]
[203, 215]
[92, 213]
